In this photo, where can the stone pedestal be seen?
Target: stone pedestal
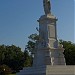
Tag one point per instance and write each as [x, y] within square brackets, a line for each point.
[48, 51]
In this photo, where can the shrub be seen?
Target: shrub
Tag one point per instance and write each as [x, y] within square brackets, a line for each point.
[4, 70]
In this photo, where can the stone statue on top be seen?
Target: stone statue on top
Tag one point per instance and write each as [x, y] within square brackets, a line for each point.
[47, 6]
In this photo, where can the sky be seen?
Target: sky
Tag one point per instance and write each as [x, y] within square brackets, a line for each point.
[18, 19]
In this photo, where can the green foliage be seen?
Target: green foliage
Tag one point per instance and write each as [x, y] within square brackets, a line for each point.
[69, 52]
[11, 56]
[4, 70]
[28, 59]
[30, 47]
[33, 38]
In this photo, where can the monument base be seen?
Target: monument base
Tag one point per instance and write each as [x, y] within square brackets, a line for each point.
[48, 70]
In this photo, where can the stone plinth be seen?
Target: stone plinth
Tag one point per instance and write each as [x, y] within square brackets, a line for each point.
[48, 51]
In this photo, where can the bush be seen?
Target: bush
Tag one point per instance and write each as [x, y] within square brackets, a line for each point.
[4, 70]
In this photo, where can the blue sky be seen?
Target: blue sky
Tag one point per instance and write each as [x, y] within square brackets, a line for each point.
[18, 19]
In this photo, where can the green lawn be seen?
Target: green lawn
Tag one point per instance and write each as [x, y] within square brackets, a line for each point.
[12, 74]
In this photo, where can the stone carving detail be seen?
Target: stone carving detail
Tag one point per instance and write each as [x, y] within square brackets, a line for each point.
[47, 6]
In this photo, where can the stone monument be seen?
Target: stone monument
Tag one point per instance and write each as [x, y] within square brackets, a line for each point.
[48, 55]
[48, 51]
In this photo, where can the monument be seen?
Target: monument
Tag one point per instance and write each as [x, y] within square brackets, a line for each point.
[48, 56]
[48, 51]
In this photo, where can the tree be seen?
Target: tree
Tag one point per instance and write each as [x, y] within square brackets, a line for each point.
[11, 56]
[33, 38]
[30, 47]
[69, 52]
[4, 70]
[27, 59]
[2, 53]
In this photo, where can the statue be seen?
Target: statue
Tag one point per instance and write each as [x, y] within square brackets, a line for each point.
[47, 6]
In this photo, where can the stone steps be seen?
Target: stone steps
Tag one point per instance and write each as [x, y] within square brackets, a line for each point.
[48, 70]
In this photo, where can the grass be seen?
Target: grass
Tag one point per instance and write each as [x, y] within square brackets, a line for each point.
[12, 74]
